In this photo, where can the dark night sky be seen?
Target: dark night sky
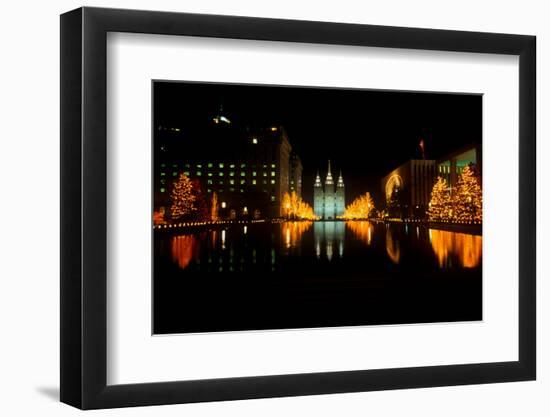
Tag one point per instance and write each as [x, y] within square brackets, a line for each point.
[364, 133]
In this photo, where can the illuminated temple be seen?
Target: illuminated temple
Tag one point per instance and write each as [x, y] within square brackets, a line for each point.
[329, 202]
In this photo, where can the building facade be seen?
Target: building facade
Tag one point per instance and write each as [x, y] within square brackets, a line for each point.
[248, 169]
[450, 167]
[329, 200]
[407, 189]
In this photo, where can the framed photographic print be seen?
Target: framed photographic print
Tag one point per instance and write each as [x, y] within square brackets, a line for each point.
[257, 208]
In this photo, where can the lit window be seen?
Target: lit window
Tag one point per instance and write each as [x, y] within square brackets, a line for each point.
[231, 174]
[272, 181]
[231, 181]
[264, 166]
[163, 174]
[199, 166]
[209, 174]
[163, 181]
[272, 198]
[199, 173]
[243, 165]
[221, 165]
[253, 182]
[241, 190]
[210, 165]
[163, 165]
[174, 173]
[243, 181]
[264, 182]
[224, 205]
[186, 173]
[253, 173]
[272, 173]
[220, 174]
[232, 189]
[232, 166]
[292, 182]
[221, 182]
[272, 165]
[265, 174]
[209, 182]
[243, 173]
[254, 141]
[162, 189]
[209, 190]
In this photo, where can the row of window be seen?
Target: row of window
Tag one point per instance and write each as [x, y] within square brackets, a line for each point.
[242, 182]
[446, 169]
[212, 165]
[220, 174]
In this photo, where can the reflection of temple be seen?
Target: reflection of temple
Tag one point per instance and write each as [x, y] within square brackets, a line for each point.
[329, 239]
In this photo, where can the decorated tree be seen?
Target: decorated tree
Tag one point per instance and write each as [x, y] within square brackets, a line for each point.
[182, 198]
[361, 208]
[214, 207]
[294, 207]
[439, 208]
[467, 197]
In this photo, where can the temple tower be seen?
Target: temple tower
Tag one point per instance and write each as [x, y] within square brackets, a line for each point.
[340, 202]
[330, 211]
[318, 197]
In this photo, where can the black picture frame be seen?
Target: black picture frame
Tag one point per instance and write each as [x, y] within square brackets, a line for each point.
[84, 207]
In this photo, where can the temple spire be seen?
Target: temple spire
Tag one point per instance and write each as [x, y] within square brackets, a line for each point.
[340, 180]
[329, 180]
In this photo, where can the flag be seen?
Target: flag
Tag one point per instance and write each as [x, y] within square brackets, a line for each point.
[421, 144]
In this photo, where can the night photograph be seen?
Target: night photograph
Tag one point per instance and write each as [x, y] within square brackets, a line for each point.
[284, 207]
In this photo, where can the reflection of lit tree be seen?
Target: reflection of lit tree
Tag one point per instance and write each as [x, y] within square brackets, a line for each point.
[362, 229]
[183, 249]
[214, 207]
[295, 208]
[466, 248]
[361, 208]
[292, 232]
[440, 203]
[182, 197]
[467, 197]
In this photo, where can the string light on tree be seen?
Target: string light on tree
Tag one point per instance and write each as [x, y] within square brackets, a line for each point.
[361, 208]
[467, 198]
[294, 207]
[440, 208]
[182, 197]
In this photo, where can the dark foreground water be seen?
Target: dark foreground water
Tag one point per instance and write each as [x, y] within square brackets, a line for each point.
[314, 274]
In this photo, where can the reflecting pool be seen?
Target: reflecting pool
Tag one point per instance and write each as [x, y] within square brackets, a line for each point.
[314, 274]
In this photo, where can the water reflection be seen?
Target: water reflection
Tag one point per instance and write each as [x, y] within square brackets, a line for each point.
[292, 233]
[184, 249]
[362, 229]
[287, 245]
[328, 237]
[448, 245]
[392, 246]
